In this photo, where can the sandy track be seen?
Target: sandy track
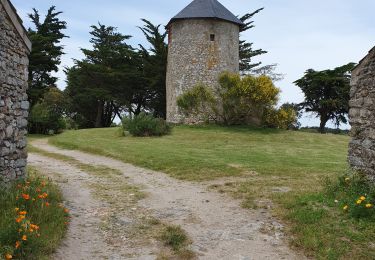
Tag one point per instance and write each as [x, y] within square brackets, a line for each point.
[217, 225]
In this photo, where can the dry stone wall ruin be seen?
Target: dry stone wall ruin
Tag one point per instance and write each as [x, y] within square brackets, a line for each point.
[362, 116]
[14, 105]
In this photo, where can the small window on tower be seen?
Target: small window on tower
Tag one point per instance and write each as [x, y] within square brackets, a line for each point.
[212, 37]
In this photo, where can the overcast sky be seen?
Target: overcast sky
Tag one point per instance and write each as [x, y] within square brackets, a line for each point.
[298, 34]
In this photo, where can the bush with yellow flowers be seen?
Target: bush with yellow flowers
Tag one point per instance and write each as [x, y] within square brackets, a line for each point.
[32, 219]
[355, 195]
[235, 100]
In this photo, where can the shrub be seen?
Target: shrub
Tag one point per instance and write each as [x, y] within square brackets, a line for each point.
[32, 219]
[236, 100]
[282, 118]
[145, 125]
[47, 115]
[198, 102]
[354, 194]
[244, 100]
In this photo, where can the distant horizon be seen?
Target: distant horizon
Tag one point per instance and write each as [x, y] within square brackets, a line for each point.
[297, 35]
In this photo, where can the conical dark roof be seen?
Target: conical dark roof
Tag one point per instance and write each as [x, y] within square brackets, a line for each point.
[211, 9]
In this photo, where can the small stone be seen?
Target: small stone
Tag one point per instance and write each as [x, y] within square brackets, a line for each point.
[25, 105]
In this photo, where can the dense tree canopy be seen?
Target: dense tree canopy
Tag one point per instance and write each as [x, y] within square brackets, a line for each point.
[46, 52]
[155, 67]
[107, 80]
[327, 94]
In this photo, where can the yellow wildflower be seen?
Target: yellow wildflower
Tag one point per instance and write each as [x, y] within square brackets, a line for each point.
[362, 198]
[369, 205]
[346, 207]
[359, 202]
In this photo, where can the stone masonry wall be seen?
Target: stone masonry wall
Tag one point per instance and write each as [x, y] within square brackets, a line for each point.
[362, 116]
[13, 101]
[194, 58]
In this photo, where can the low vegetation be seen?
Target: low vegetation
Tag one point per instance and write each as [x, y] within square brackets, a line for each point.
[32, 219]
[336, 222]
[238, 101]
[174, 237]
[144, 125]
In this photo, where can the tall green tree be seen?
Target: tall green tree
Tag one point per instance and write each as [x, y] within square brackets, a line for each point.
[327, 94]
[108, 80]
[155, 67]
[247, 53]
[46, 52]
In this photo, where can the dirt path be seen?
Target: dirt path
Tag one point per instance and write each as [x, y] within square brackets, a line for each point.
[218, 226]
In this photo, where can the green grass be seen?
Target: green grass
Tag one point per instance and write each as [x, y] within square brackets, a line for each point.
[205, 153]
[50, 219]
[174, 237]
[177, 240]
[282, 170]
[325, 231]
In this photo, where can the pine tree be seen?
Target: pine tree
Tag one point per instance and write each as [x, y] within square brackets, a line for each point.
[46, 52]
[327, 94]
[246, 48]
[108, 80]
[155, 67]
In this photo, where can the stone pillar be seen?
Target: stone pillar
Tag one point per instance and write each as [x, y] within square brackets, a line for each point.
[14, 103]
[362, 116]
[199, 51]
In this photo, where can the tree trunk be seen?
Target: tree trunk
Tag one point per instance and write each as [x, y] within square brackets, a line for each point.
[323, 122]
[99, 115]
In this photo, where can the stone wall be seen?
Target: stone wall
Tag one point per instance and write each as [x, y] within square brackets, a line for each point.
[362, 116]
[194, 57]
[13, 98]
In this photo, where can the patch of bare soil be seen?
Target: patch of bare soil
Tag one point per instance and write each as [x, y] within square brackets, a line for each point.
[217, 225]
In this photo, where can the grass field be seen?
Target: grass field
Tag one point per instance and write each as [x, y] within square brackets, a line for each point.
[284, 170]
[205, 153]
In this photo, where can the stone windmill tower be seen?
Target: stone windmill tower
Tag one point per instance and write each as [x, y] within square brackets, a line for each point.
[203, 42]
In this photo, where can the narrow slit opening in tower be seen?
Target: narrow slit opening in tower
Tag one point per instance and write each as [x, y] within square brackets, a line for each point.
[212, 37]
